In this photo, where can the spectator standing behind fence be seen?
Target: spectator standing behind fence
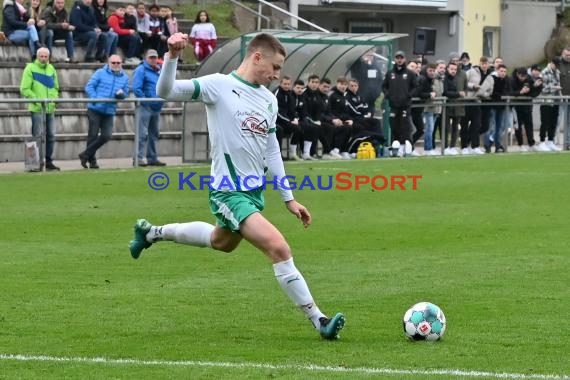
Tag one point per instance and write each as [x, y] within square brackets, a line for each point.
[368, 71]
[427, 93]
[203, 36]
[129, 39]
[398, 86]
[57, 28]
[564, 68]
[523, 85]
[550, 110]
[145, 78]
[501, 87]
[110, 81]
[39, 81]
[18, 26]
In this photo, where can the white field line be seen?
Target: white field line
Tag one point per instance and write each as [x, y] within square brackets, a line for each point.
[307, 367]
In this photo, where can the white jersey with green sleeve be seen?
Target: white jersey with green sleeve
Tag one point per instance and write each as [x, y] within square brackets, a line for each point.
[241, 122]
[240, 116]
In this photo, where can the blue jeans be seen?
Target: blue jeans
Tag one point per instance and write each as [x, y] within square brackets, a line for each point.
[50, 35]
[37, 127]
[96, 43]
[112, 40]
[21, 36]
[428, 132]
[149, 130]
[496, 129]
[98, 122]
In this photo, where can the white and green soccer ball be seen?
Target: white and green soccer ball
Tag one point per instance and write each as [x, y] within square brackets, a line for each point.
[424, 321]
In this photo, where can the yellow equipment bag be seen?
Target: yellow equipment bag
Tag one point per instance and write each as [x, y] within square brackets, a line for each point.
[365, 151]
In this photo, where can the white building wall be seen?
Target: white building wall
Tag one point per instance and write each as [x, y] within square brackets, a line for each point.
[525, 28]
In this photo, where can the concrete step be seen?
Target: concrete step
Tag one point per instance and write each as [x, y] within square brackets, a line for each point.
[174, 4]
[72, 74]
[74, 121]
[21, 54]
[185, 25]
[68, 146]
[66, 92]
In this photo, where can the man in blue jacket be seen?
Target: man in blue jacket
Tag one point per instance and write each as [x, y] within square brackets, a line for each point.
[110, 81]
[144, 86]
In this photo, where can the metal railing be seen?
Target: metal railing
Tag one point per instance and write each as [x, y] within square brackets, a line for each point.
[137, 101]
[445, 103]
[506, 101]
[261, 16]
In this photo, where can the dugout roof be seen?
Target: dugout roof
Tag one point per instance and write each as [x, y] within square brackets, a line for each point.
[326, 54]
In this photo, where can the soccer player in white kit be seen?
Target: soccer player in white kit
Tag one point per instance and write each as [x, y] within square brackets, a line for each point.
[241, 114]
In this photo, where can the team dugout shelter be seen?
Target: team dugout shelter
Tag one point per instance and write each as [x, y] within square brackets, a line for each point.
[328, 55]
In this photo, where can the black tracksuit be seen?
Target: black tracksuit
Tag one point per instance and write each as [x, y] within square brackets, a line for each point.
[398, 86]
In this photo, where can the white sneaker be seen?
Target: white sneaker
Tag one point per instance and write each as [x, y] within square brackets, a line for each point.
[401, 151]
[345, 155]
[431, 152]
[326, 156]
[450, 152]
[466, 151]
[552, 147]
[308, 157]
[415, 153]
[524, 148]
[542, 147]
[294, 157]
[335, 155]
[477, 151]
[353, 155]
[408, 148]
[132, 61]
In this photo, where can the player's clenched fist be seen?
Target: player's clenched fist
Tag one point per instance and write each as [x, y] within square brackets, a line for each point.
[176, 43]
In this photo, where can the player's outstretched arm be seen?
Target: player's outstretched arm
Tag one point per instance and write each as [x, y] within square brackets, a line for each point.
[167, 86]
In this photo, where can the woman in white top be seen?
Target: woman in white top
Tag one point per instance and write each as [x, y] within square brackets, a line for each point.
[203, 36]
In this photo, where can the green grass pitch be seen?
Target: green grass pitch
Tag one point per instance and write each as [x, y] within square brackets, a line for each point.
[485, 238]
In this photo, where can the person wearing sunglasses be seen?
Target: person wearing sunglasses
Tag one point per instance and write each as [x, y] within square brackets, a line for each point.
[110, 81]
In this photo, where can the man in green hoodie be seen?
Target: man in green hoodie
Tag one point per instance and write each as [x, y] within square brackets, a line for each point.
[39, 81]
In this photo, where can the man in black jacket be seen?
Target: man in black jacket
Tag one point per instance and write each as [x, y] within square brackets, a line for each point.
[87, 31]
[398, 86]
[524, 85]
[501, 87]
[341, 119]
[287, 122]
[57, 28]
[19, 27]
[368, 71]
[317, 101]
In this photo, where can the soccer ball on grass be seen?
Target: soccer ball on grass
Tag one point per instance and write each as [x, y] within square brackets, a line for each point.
[424, 321]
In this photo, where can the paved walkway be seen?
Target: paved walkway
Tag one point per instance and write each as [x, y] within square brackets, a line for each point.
[104, 163]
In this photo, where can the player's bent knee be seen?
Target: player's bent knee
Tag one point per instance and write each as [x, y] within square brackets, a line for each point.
[280, 251]
[224, 244]
[226, 248]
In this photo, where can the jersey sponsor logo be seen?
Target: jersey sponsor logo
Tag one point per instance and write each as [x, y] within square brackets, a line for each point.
[254, 123]
[237, 93]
